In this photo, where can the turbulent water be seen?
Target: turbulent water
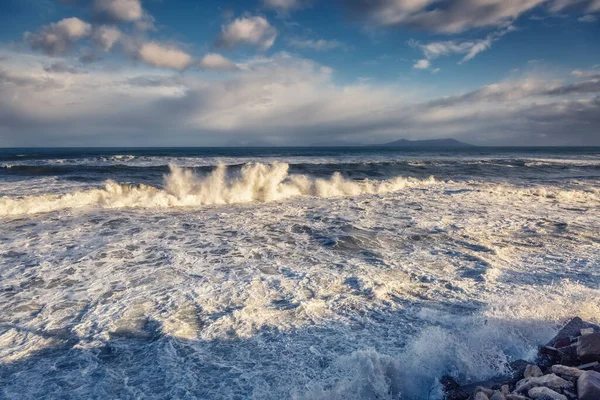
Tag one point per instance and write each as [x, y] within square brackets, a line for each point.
[329, 273]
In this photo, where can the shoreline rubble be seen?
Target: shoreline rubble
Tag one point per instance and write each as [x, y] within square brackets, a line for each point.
[566, 368]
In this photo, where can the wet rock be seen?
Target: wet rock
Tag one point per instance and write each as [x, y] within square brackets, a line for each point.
[505, 390]
[480, 396]
[452, 389]
[591, 366]
[588, 386]
[568, 355]
[550, 381]
[572, 329]
[498, 396]
[532, 371]
[569, 373]
[488, 392]
[543, 393]
[513, 396]
[588, 348]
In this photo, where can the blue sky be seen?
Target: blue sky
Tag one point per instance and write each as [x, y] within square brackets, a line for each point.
[296, 72]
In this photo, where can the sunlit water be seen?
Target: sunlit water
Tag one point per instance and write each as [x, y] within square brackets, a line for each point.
[287, 273]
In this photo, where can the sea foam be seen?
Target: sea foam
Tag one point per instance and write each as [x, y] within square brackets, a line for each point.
[183, 188]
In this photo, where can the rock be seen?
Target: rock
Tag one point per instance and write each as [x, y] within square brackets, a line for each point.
[452, 389]
[505, 389]
[532, 371]
[586, 331]
[593, 365]
[543, 393]
[550, 381]
[588, 348]
[498, 396]
[588, 386]
[562, 342]
[568, 355]
[488, 392]
[516, 397]
[480, 396]
[569, 373]
[572, 329]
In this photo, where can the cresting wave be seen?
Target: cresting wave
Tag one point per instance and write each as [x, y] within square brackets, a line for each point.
[255, 182]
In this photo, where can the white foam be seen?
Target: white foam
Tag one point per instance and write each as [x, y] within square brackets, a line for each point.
[183, 188]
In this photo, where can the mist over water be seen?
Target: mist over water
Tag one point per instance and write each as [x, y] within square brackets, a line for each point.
[287, 273]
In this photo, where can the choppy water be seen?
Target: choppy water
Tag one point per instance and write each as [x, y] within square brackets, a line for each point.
[328, 273]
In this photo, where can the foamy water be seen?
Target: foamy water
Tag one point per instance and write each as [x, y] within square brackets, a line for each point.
[272, 280]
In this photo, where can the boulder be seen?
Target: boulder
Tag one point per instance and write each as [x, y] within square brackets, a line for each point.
[532, 371]
[480, 396]
[550, 381]
[588, 386]
[588, 348]
[498, 396]
[452, 389]
[572, 329]
[569, 373]
[543, 393]
[514, 396]
[488, 392]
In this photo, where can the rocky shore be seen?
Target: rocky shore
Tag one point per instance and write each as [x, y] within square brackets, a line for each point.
[566, 368]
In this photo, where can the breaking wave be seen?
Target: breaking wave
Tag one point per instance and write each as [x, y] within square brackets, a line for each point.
[256, 182]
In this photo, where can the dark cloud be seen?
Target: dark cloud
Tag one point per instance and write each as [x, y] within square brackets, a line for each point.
[62, 68]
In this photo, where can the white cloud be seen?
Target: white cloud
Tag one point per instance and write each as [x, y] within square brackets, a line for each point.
[444, 16]
[285, 6]
[468, 48]
[106, 36]
[214, 61]
[422, 64]
[119, 10]
[164, 56]
[318, 45]
[58, 38]
[280, 100]
[254, 31]
[588, 18]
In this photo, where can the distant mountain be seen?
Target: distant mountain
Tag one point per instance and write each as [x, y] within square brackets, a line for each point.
[427, 143]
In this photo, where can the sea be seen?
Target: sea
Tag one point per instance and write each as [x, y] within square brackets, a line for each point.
[288, 273]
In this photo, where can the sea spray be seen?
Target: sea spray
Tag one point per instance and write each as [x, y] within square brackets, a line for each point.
[184, 188]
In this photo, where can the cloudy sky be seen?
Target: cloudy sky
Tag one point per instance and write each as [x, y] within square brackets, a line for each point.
[298, 72]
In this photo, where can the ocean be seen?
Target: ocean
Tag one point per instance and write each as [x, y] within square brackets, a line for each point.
[287, 273]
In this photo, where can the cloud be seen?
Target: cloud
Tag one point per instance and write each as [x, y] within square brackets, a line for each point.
[318, 45]
[283, 100]
[164, 56]
[58, 38]
[214, 61]
[62, 68]
[119, 10]
[447, 16]
[254, 31]
[588, 6]
[422, 64]
[468, 48]
[106, 36]
[285, 6]
[588, 18]
[594, 74]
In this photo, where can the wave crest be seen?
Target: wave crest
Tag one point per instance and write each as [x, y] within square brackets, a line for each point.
[183, 188]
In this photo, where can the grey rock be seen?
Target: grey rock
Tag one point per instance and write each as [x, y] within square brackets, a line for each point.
[505, 389]
[532, 371]
[550, 381]
[488, 392]
[498, 396]
[573, 329]
[588, 386]
[480, 396]
[513, 396]
[543, 393]
[569, 373]
[588, 348]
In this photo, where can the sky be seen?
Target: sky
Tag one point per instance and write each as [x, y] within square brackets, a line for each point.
[298, 72]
